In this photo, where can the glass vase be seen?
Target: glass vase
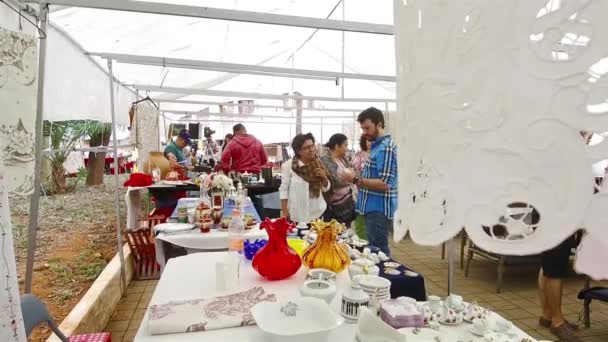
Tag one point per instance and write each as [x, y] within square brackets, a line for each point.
[326, 252]
[276, 260]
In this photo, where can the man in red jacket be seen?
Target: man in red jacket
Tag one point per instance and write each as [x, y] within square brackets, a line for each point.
[244, 153]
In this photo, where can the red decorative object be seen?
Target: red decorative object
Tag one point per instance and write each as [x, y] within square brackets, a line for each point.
[139, 179]
[276, 260]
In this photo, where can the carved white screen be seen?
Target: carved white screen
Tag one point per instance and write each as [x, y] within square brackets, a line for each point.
[492, 99]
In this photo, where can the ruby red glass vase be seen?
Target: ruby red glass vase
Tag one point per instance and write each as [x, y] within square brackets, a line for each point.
[276, 260]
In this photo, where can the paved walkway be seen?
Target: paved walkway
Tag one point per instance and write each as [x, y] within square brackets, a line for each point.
[518, 300]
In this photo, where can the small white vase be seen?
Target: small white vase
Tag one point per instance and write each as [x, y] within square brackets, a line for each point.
[353, 299]
[321, 289]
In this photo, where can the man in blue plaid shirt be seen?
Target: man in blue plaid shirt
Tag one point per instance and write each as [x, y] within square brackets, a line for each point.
[378, 181]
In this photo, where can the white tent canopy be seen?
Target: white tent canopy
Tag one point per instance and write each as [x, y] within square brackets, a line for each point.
[201, 39]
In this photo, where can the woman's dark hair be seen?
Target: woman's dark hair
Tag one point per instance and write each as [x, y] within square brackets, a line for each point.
[372, 114]
[335, 140]
[299, 140]
[363, 143]
[226, 138]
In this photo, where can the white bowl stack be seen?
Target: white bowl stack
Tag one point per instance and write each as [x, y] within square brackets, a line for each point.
[374, 286]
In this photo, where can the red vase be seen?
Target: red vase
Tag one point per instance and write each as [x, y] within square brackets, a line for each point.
[276, 260]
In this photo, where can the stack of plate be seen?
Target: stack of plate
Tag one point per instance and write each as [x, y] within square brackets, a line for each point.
[374, 286]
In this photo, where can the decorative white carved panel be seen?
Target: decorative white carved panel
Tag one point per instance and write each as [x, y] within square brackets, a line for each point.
[492, 97]
[145, 132]
[18, 90]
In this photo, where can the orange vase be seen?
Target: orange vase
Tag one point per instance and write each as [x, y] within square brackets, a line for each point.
[326, 252]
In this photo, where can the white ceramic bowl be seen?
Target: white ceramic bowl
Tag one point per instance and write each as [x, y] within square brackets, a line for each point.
[313, 320]
[372, 282]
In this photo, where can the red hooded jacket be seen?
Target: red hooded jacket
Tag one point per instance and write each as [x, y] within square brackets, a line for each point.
[244, 153]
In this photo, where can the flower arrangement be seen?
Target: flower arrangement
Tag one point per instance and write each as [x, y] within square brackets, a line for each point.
[216, 181]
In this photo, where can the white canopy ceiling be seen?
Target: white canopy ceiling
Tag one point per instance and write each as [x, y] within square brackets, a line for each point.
[245, 43]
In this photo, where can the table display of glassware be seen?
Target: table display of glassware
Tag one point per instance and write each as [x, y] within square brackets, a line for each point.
[276, 260]
[217, 214]
[251, 248]
[326, 252]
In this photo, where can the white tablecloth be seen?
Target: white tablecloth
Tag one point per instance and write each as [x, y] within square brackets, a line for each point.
[193, 276]
[195, 241]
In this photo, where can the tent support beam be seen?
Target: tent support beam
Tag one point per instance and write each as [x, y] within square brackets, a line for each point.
[119, 243]
[222, 93]
[227, 14]
[251, 116]
[35, 200]
[240, 68]
[244, 105]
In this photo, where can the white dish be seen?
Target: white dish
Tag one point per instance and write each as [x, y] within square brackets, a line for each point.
[392, 264]
[302, 319]
[476, 332]
[498, 337]
[170, 182]
[409, 273]
[459, 321]
[173, 227]
[392, 271]
[420, 334]
[373, 282]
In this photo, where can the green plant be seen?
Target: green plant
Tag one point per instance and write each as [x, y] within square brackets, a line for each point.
[64, 136]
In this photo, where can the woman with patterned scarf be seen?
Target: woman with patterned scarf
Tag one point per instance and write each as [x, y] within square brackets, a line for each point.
[304, 179]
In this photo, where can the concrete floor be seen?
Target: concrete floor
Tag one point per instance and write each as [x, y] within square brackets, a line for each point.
[518, 300]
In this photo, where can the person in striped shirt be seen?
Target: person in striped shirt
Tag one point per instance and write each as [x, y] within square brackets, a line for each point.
[377, 184]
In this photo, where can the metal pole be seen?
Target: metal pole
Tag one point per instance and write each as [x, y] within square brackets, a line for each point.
[450, 249]
[35, 200]
[121, 255]
[343, 42]
[354, 130]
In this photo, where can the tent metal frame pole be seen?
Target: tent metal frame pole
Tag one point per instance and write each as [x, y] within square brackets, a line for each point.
[86, 149]
[223, 93]
[239, 68]
[260, 122]
[244, 105]
[252, 116]
[354, 130]
[450, 250]
[35, 200]
[123, 276]
[228, 14]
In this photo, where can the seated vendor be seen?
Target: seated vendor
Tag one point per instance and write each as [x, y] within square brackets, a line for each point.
[174, 152]
[176, 148]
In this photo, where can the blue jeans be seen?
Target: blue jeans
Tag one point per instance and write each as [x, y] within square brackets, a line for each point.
[377, 227]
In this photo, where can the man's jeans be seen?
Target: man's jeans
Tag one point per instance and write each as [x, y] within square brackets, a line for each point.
[378, 226]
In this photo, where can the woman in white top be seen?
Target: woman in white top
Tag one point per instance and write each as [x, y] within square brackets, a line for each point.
[303, 180]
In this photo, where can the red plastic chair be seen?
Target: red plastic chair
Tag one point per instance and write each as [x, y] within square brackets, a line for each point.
[141, 244]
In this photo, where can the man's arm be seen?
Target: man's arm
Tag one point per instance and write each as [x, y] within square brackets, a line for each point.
[227, 159]
[263, 155]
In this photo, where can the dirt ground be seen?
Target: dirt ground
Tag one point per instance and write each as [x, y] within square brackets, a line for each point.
[76, 239]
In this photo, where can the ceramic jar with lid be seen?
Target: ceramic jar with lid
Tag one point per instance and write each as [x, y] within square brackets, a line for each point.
[353, 299]
[317, 288]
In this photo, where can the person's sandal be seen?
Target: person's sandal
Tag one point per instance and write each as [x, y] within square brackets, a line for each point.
[564, 333]
[546, 323]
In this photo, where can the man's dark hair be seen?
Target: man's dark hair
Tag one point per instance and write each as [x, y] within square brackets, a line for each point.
[299, 140]
[363, 143]
[372, 114]
[237, 128]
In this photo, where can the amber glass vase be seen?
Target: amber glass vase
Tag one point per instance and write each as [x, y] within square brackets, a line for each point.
[326, 252]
